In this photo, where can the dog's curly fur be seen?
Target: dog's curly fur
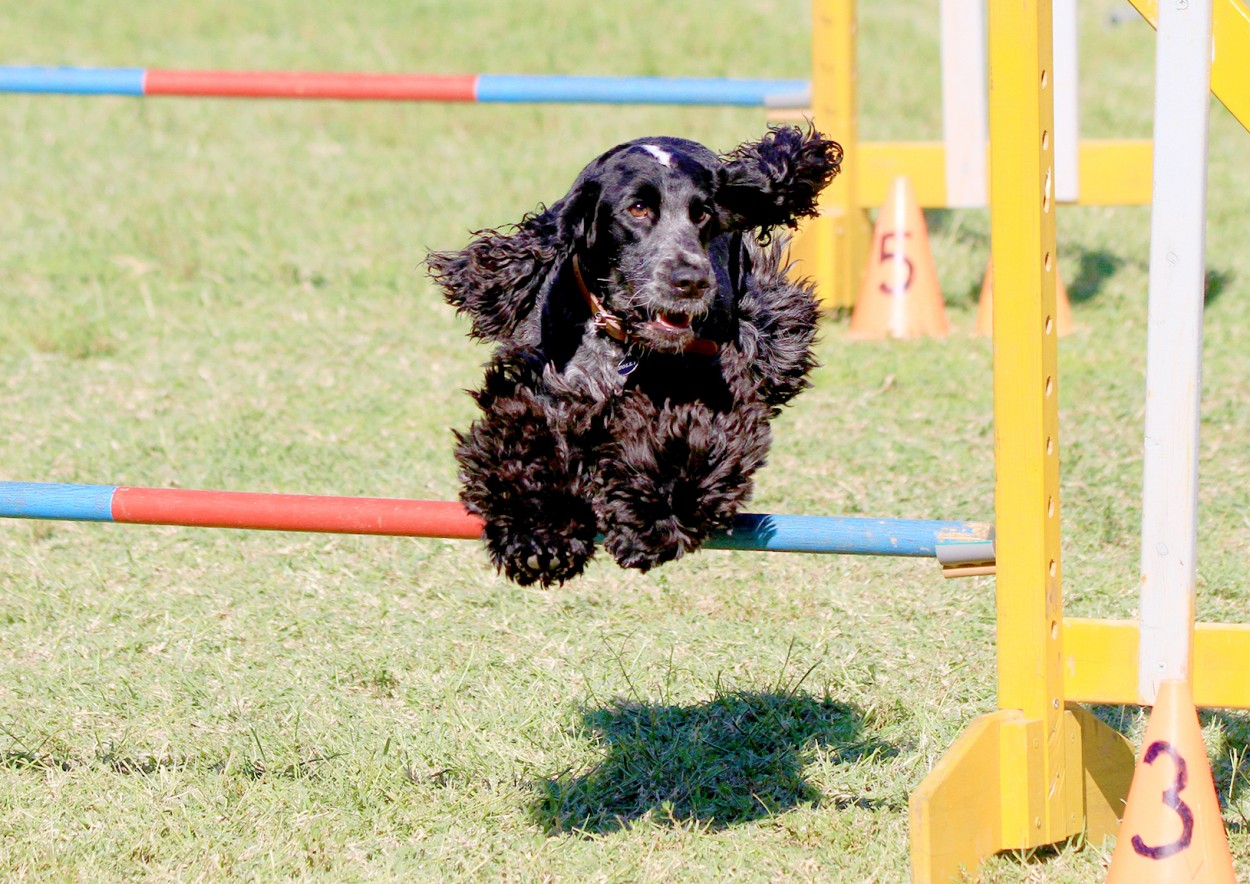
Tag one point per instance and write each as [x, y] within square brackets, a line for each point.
[650, 441]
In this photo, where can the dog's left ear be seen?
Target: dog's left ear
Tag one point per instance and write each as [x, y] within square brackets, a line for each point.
[575, 213]
[776, 180]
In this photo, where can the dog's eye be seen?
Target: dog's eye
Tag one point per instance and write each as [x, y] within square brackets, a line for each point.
[639, 209]
[699, 214]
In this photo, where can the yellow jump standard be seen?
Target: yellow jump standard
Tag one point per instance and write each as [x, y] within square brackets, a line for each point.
[1041, 768]
[1038, 770]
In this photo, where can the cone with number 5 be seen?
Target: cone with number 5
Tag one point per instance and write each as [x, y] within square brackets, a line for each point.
[899, 297]
[1172, 828]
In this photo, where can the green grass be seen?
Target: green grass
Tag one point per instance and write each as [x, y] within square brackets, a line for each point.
[221, 294]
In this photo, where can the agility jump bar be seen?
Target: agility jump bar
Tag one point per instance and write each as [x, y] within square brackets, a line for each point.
[482, 88]
[951, 541]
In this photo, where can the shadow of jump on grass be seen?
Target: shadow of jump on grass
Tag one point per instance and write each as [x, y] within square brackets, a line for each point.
[736, 758]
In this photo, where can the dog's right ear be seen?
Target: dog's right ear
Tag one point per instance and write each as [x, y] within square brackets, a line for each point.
[496, 278]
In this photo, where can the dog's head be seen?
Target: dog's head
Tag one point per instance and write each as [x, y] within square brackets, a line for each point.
[639, 223]
[640, 220]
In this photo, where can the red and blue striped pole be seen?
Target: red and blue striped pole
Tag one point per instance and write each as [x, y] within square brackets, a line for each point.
[482, 88]
[956, 541]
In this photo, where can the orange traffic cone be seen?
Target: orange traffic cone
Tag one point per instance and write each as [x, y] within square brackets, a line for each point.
[899, 297]
[1172, 828]
[985, 306]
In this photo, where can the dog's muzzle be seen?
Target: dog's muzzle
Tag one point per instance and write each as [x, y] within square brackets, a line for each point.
[672, 322]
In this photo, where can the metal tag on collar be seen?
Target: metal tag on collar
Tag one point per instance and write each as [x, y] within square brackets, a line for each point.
[627, 365]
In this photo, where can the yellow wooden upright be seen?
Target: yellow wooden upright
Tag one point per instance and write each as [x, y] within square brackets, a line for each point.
[1037, 771]
[832, 247]
[1026, 419]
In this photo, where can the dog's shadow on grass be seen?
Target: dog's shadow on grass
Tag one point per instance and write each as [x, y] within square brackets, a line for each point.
[733, 759]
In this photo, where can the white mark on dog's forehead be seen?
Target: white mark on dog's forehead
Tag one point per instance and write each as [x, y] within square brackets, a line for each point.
[665, 158]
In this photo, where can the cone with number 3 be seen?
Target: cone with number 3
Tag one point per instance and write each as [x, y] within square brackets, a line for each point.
[899, 297]
[1172, 828]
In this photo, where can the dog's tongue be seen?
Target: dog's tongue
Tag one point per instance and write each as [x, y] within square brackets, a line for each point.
[675, 321]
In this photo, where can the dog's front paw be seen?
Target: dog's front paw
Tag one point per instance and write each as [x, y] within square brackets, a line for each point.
[645, 546]
[540, 554]
[678, 474]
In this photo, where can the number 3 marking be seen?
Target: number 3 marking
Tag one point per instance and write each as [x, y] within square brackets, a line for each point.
[1172, 798]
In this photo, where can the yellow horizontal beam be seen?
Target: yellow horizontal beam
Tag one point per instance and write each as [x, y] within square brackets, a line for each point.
[1100, 663]
[880, 162]
[1113, 172]
[1116, 172]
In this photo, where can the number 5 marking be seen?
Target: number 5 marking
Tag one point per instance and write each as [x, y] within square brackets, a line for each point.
[1172, 798]
[888, 254]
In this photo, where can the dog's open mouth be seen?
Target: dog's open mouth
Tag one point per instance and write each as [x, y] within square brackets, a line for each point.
[673, 331]
[672, 322]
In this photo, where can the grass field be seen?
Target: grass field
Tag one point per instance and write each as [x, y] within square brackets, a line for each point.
[224, 294]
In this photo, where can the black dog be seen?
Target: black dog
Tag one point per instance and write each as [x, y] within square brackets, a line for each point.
[646, 336]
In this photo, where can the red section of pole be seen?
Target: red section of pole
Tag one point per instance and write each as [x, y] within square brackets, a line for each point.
[294, 84]
[295, 512]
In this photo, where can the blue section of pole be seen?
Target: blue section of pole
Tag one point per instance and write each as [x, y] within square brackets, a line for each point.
[850, 536]
[72, 81]
[640, 90]
[48, 500]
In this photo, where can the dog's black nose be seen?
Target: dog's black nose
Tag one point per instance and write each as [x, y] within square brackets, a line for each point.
[690, 282]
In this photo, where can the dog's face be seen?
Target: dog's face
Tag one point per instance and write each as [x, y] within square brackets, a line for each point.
[646, 214]
[644, 222]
